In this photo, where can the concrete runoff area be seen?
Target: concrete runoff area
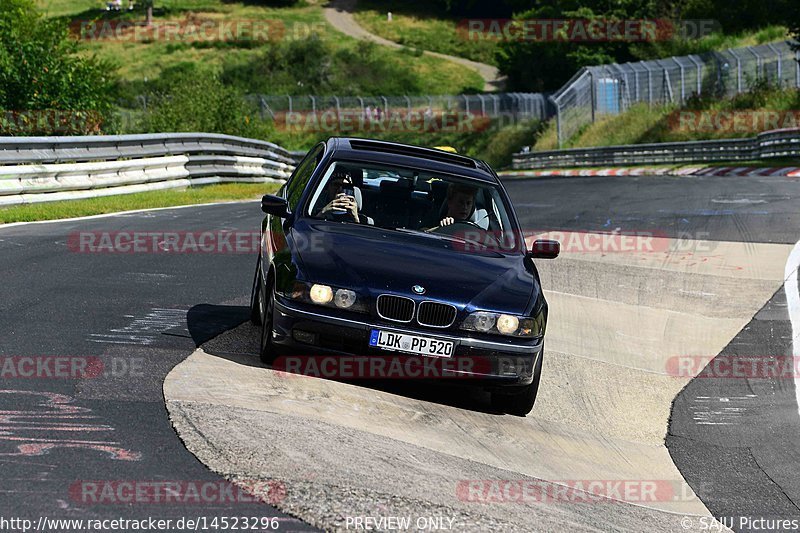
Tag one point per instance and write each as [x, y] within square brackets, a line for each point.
[617, 320]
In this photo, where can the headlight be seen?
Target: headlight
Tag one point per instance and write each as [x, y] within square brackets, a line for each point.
[321, 294]
[328, 296]
[502, 324]
[507, 324]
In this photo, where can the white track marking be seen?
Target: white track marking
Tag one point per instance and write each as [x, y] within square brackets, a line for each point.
[793, 306]
[119, 213]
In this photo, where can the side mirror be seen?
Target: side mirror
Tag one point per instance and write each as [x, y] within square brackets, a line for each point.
[545, 249]
[275, 205]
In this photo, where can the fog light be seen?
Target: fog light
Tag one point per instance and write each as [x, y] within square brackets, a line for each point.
[345, 298]
[508, 367]
[321, 294]
[507, 324]
[305, 337]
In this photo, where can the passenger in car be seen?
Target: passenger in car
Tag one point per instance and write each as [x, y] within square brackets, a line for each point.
[460, 203]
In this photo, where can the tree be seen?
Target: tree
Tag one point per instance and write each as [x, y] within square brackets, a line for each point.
[545, 64]
[40, 70]
[793, 22]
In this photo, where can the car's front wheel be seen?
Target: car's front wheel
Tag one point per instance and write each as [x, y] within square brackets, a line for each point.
[520, 402]
[266, 301]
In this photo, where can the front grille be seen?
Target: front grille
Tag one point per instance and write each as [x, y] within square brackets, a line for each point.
[396, 308]
[436, 315]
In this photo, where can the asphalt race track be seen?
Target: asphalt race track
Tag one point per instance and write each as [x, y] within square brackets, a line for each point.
[139, 315]
[710, 273]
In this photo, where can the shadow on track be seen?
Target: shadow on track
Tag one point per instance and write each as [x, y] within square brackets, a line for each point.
[206, 323]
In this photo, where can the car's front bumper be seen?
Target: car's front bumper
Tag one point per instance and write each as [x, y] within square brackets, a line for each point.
[305, 332]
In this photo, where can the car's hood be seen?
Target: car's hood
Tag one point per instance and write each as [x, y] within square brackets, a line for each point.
[369, 259]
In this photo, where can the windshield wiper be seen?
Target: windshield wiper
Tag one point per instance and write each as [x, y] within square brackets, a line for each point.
[429, 234]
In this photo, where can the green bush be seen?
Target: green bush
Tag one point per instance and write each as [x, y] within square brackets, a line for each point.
[39, 70]
[200, 102]
[310, 66]
[364, 70]
[547, 65]
[297, 66]
[505, 141]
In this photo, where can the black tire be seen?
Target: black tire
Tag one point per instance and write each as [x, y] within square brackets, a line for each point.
[520, 402]
[255, 294]
[267, 351]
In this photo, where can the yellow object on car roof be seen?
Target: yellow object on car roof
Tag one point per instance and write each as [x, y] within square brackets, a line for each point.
[446, 149]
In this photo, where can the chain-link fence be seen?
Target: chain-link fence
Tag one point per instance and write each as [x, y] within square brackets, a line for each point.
[611, 89]
[516, 105]
[591, 93]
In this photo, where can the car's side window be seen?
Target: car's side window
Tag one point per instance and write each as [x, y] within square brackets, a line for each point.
[298, 182]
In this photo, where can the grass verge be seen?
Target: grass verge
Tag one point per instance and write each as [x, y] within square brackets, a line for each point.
[672, 167]
[418, 24]
[129, 202]
[138, 57]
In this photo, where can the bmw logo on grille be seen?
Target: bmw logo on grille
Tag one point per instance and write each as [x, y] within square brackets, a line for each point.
[419, 289]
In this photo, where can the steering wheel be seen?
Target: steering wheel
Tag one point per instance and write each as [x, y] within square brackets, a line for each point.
[486, 238]
[455, 227]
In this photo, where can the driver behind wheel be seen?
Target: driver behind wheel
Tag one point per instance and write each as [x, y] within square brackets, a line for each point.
[460, 203]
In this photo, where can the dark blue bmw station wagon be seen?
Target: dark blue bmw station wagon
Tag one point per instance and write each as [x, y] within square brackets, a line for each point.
[379, 249]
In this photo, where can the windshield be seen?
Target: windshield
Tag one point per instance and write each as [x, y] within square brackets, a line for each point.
[414, 200]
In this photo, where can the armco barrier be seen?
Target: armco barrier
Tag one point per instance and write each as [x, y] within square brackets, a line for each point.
[767, 145]
[41, 169]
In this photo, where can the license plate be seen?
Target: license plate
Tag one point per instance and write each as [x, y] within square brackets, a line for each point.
[400, 342]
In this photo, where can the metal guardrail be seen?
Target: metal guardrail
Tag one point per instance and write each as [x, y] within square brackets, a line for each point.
[612, 89]
[21, 150]
[767, 145]
[41, 169]
[298, 155]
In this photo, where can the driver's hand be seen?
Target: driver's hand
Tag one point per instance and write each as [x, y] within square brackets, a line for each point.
[446, 221]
